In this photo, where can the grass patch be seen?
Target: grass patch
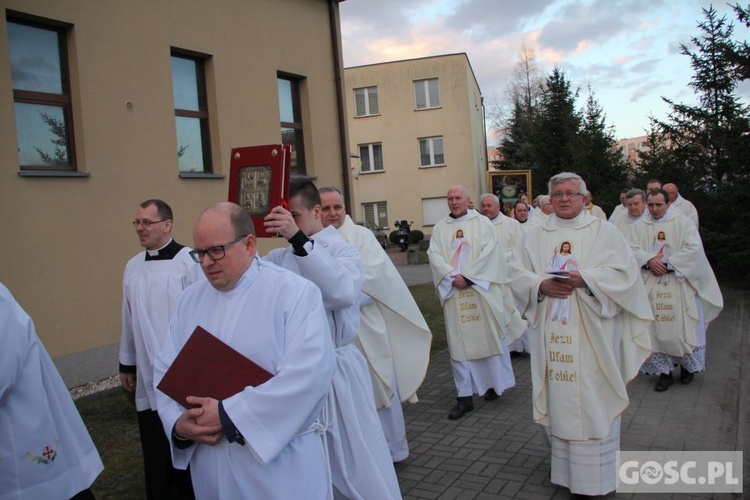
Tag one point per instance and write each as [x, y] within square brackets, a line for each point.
[110, 417]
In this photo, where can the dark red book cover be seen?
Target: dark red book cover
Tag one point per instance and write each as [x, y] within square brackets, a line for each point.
[207, 367]
[259, 181]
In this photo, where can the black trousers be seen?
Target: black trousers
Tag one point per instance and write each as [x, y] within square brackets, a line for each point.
[162, 480]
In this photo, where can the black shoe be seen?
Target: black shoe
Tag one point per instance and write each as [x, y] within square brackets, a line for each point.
[490, 395]
[515, 354]
[686, 376]
[463, 406]
[664, 382]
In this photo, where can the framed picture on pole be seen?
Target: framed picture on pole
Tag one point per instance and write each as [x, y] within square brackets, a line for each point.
[509, 185]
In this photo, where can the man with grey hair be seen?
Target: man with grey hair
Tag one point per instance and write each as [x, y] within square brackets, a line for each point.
[545, 209]
[621, 209]
[635, 201]
[469, 270]
[589, 315]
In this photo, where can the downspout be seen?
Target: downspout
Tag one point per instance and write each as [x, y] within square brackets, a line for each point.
[334, 20]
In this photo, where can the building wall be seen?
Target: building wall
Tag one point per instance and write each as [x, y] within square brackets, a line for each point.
[398, 126]
[66, 240]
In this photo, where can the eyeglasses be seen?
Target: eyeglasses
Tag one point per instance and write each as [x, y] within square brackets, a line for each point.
[147, 223]
[215, 253]
[567, 194]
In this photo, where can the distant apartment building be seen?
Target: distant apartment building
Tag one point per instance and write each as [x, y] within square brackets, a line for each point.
[106, 104]
[416, 128]
[632, 148]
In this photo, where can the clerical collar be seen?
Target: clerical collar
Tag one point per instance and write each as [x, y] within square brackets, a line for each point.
[571, 222]
[167, 252]
[460, 217]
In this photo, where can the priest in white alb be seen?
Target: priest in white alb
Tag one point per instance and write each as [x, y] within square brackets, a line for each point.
[635, 201]
[470, 273]
[620, 210]
[361, 465]
[265, 441]
[589, 319]
[682, 288]
[677, 202]
[393, 335]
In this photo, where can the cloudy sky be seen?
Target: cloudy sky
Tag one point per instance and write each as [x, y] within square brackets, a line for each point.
[626, 50]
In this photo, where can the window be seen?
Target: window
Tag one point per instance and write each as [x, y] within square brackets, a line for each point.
[434, 209]
[41, 95]
[427, 93]
[291, 122]
[376, 213]
[191, 114]
[366, 101]
[371, 156]
[431, 152]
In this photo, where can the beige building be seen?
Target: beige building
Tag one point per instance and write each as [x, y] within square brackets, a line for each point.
[104, 104]
[632, 148]
[417, 127]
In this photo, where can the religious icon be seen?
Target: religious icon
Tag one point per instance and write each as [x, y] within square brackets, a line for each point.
[663, 250]
[461, 249]
[562, 260]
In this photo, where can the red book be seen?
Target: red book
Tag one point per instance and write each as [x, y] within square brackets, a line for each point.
[207, 367]
[259, 181]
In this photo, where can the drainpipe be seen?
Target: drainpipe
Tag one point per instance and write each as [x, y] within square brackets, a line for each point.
[333, 13]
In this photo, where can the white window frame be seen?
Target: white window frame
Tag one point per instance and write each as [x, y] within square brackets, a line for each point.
[377, 213]
[434, 210]
[370, 158]
[431, 97]
[430, 142]
[367, 92]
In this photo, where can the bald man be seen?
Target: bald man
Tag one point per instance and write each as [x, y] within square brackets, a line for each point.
[677, 202]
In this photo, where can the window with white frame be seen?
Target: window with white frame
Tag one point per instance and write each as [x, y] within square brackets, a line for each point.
[431, 152]
[426, 93]
[376, 213]
[366, 101]
[371, 157]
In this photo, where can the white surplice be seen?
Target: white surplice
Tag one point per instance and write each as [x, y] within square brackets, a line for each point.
[481, 320]
[618, 213]
[361, 463]
[580, 367]
[45, 449]
[276, 319]
[393, 335]
[150, 292]
[686, 208]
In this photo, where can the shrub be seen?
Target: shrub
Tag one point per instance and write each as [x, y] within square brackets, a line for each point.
[416, 236]
[393, 237]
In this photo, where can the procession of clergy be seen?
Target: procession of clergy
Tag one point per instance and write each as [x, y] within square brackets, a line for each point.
[592, 301]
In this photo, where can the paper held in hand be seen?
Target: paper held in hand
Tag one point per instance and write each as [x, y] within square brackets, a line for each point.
[561, 275]
[207, 367]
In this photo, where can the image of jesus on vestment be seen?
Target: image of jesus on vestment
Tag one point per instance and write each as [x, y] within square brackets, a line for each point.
[663, 250]
[562, 260]
[461, 248]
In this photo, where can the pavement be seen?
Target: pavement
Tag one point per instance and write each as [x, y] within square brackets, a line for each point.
[497, 451]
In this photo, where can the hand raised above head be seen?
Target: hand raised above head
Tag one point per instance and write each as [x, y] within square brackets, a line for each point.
[281, 222]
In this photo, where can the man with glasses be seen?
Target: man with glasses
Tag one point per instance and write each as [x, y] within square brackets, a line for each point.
[152, 284]
[264, 441]
[361, 465]
[581, 363]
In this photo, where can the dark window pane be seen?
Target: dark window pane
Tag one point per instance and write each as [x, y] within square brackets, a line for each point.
[42, 135]
[35, 59]
[288, 105]
[359, 102]
[293, 137]
[372, 94]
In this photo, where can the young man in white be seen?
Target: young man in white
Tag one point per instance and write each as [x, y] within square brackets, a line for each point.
[360, 461]
[682, 288]
[393, 335]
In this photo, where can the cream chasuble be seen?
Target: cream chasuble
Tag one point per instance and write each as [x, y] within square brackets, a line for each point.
[585, 348]
[675, 239]
[393, 335]
[480, 317]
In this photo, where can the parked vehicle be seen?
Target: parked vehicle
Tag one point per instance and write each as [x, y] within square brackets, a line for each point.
[403, 234]
[377, 231]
